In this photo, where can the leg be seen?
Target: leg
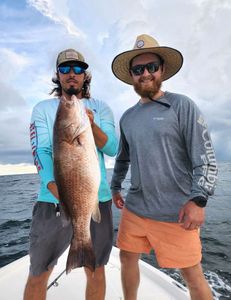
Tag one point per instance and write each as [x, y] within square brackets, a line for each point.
[49, 237]
[196, 282]
[132, 240]
[180, 249]
[102, 238]
[130, 274]
[36, 286]
[96, 284]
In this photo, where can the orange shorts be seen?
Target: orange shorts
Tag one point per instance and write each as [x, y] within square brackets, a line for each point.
[174, 246]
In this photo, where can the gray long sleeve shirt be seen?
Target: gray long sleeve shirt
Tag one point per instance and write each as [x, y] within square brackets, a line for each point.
[172, 160]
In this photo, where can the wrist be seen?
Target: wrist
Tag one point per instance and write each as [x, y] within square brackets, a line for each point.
[199, 201]
[116, 191]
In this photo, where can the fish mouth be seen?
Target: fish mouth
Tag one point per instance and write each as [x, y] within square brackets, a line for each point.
[67, 103]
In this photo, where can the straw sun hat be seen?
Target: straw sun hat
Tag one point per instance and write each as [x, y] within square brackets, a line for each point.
[172, 58]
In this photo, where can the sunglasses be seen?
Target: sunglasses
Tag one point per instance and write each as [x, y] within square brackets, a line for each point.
[67, 69]
[152, 67]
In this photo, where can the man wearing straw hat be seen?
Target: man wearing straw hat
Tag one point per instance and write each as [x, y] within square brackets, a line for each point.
[173, 170]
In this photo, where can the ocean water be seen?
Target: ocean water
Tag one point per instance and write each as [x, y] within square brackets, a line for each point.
[18, 194]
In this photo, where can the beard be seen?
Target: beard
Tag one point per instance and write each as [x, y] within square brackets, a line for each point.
[148, 91]
[72, 91]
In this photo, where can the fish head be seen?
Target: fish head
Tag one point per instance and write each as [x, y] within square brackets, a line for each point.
[71, 118]
[81, 115]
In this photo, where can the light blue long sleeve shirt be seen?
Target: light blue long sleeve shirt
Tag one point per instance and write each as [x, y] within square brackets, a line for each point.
[41, 135]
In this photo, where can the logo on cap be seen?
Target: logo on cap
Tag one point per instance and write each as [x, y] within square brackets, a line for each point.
[140, 44]
[71, 54]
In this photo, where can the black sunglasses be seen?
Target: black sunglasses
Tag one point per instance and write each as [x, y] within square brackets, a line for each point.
[152, 67]
[67, 69]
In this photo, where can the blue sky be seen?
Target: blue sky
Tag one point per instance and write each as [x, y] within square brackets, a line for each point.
[32, 32]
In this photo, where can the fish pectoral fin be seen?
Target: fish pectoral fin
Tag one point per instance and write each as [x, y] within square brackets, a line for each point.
[77, 135]
[69, 133]
[77, 141]
[96, 216]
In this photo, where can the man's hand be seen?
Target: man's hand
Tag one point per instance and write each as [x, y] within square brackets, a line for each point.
[90, 115]
[191, 216]
[99, 136]
[118, 200]
[52, 187]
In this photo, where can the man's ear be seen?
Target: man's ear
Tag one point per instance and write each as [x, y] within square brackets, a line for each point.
[57, 76]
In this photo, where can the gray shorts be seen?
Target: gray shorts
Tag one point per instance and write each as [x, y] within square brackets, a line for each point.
[50, 235]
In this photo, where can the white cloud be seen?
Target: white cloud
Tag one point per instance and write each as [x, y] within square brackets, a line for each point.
[15, 129]
[10, 99]
[57, 11]
[200, 29]
[11, 64]
[14, 119]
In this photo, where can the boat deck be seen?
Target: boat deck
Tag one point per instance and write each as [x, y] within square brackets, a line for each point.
[153, 283]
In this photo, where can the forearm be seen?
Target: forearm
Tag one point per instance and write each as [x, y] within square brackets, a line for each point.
[44, 163]
[121, 165]
[200, 150]
[204, 180]
[99, 136]
[104, 136]
[204, 165]
[119, 174]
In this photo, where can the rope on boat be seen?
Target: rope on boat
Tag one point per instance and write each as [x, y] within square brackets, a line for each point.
[55, 281]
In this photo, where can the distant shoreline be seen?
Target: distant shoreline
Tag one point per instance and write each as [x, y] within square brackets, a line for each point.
[22, 169]
[17, 169]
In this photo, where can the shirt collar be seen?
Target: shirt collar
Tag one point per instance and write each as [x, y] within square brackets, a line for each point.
[163, 100]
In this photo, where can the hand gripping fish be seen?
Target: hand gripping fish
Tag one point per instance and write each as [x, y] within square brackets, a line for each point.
[77, 175]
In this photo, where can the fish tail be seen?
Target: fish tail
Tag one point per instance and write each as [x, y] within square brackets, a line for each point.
[81, 256]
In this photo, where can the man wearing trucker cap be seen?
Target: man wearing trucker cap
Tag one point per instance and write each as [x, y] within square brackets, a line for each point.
[51, 230]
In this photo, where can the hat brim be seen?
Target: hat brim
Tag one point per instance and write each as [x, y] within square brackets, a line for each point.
[173, 61]
[80, 63]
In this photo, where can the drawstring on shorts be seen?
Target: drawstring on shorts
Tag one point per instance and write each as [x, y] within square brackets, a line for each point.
[57, 210]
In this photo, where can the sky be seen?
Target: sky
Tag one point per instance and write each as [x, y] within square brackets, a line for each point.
[33, 32]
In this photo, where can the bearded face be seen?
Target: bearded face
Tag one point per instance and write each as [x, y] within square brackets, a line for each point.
[147, 80]
[147, 86]
[72, 90]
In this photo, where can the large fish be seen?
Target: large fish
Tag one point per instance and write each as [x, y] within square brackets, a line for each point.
[77, 175]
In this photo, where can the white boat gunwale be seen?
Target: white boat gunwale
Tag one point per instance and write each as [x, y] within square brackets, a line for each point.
[154, 284]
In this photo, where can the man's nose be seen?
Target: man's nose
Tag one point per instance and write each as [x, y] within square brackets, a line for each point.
[72, 71]
[146, 72]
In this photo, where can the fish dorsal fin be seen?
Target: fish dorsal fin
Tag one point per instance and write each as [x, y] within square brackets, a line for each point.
[96, 216]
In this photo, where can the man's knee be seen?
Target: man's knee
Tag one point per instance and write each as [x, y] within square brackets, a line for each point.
[39, 280]
[193, 276]
[97, 276]
[127, 258]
